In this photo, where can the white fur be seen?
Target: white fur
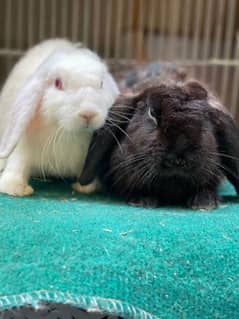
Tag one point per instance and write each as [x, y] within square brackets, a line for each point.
[45, 131]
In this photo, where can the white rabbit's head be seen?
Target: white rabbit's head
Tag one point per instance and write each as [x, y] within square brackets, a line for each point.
[72, 89]
[79, 92]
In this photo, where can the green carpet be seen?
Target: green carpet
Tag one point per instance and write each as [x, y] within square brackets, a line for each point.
[170, 262]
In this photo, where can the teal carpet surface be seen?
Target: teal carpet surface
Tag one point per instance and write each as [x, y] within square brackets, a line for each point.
[170, 262]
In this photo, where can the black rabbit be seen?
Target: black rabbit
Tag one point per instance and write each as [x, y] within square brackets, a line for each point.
[171, 143]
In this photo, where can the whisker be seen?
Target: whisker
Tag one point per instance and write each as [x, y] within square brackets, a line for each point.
[225, 155]
[120, 115]
[126, 164]
[228, 170]
[119, 111]
[117, 120]
[58, 139]
[116, 139]
[54, 149]
[125, 171]
[42, 155]
[123, 131]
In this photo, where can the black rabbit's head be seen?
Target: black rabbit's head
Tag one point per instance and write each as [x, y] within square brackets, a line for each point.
[172, 128]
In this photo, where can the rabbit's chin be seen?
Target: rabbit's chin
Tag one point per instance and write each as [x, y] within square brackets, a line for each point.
[75, 127]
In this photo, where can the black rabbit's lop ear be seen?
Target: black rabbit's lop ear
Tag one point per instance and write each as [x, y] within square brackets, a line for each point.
[107, 137]
[195, 90]
[227, 135]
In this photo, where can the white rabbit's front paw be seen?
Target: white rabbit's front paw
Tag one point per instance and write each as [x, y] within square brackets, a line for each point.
[87, 189]
[14, 185]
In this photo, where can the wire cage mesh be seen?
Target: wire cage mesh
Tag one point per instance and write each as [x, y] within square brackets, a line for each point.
[203, 35]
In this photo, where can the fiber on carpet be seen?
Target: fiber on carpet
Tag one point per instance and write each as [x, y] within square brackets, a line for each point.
[170, 262]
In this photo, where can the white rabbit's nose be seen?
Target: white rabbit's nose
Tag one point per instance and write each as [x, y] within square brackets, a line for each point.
[88, 116]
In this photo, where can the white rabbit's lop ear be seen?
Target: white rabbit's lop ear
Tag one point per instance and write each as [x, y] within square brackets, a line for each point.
[22, 112]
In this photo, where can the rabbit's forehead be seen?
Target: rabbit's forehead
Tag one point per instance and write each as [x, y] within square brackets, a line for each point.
[88, 93]
[75, 81]
[78, 71]
[177, 102]
[75, 66]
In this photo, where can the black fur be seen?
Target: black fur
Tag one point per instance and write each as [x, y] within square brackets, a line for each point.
[179, 159]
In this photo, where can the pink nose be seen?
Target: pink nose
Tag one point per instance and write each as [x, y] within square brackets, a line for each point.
[88, 116]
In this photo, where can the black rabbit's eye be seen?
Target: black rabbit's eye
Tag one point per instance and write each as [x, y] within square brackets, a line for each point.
[151, 122]
[151, 115]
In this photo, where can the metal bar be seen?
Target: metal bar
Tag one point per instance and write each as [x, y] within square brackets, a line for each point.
[19, 31]
[75, 20]
[207, 29]
[30, 24]
[235, 92]
[140, 32]
[64, 13]
[8, 32]
[11, 52]
[53, 18]
[96, 24]
[186, 28]
[86, 20]
[129, 29]
[231, 10]
[197, 29]
[151, 28]
[218, 38]
[162, 28]
[229, 31]
[42, 17]
[174, 9]
[8, 24]
[235, 82]
[107, 42]
[218, 34]
[207, 37]
[118, 33]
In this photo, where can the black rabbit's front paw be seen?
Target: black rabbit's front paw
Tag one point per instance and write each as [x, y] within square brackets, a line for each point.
[205, 199]
[146, 202]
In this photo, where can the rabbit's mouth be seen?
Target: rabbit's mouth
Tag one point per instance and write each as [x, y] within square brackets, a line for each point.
[77, 125]
[87, 128]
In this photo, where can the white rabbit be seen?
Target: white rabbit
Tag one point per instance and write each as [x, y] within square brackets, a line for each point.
[53, 100]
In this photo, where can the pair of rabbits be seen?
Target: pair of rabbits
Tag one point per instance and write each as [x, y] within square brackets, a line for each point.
[165, 139]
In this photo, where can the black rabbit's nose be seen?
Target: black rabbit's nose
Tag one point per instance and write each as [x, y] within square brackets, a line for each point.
[180, 144]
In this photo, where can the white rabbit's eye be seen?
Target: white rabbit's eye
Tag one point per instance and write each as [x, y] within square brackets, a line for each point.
[58, 84]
